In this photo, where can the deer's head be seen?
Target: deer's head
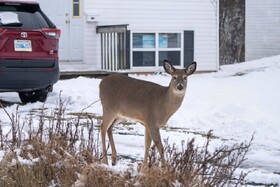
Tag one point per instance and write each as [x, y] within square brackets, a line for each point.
[179, 79]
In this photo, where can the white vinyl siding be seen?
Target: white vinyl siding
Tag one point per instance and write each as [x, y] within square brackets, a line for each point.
[262, 29]
[156, 16]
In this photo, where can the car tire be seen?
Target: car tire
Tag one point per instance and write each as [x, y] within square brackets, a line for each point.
[34, 96]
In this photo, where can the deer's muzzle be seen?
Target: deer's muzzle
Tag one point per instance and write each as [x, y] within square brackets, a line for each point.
[180, 87]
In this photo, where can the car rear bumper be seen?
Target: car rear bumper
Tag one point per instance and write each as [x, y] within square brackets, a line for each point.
[16, 76]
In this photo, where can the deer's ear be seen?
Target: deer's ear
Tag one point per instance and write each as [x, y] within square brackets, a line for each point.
[168, 67]
[191, 68]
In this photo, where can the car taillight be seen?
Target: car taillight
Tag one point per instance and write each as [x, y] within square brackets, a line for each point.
[1, 29]
[52, 32]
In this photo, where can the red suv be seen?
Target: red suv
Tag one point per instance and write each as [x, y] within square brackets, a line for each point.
[28, 50]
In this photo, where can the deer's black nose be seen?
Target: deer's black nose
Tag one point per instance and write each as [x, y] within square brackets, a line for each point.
[180, 87]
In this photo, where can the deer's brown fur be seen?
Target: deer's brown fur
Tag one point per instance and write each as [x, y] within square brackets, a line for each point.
[150, 104]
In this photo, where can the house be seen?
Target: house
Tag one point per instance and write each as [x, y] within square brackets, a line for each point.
[136, 35]
[262, 28]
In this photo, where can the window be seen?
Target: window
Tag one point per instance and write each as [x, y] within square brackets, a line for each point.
[169, 40]
[144, 55]
[151, 49]
[143, 40]
[170, 48]
[24, 16]
[76, 8]
[173, 56]
[145, 58]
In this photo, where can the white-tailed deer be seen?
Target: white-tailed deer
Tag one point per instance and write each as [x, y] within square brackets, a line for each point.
[150, 104]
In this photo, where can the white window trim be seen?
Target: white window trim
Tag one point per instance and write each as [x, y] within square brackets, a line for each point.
[156, 49]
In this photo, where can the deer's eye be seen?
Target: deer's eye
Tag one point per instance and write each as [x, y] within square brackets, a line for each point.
[185, 78]
[174, 78]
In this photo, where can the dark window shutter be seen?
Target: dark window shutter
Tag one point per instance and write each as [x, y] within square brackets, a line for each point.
[127, 44]
[188, 47]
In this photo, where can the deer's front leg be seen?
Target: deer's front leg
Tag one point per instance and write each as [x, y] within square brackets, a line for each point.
[148, 141]
[155, 136]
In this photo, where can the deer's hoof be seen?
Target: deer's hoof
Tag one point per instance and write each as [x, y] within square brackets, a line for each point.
[114, 161]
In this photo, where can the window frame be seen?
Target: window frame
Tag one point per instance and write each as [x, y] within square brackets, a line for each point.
[157, 49]
[79, 8]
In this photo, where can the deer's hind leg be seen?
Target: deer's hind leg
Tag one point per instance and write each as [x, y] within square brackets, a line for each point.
[111, 140]
[105, 126]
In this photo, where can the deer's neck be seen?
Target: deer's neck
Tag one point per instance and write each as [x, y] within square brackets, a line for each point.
[174, 101]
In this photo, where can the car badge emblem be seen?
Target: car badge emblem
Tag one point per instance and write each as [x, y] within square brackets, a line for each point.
[23, 34]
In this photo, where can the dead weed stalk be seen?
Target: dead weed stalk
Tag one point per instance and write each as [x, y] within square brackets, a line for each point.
[55, 150]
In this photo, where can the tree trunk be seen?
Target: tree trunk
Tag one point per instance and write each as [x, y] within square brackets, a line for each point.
[232, 31]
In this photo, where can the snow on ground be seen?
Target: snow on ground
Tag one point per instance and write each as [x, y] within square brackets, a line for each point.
[238, 101]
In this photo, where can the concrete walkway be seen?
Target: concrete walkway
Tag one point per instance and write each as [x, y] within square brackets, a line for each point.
[70, 70]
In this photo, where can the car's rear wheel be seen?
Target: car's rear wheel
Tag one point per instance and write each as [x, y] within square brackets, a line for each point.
[34, 96]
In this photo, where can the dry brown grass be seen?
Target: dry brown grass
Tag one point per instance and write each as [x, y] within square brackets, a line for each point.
[64, 151]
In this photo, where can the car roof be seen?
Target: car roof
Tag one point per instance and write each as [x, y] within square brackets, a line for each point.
[20, 1]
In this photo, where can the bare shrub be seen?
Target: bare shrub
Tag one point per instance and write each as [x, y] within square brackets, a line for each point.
[191, 167]
[52, 149]
[98, 175]
[197, 167]
[57, 150]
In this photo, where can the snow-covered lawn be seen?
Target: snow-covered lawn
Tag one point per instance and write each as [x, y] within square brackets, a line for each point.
[238, 101]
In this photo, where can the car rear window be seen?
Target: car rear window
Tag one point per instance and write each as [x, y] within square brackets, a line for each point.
[23, 16]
